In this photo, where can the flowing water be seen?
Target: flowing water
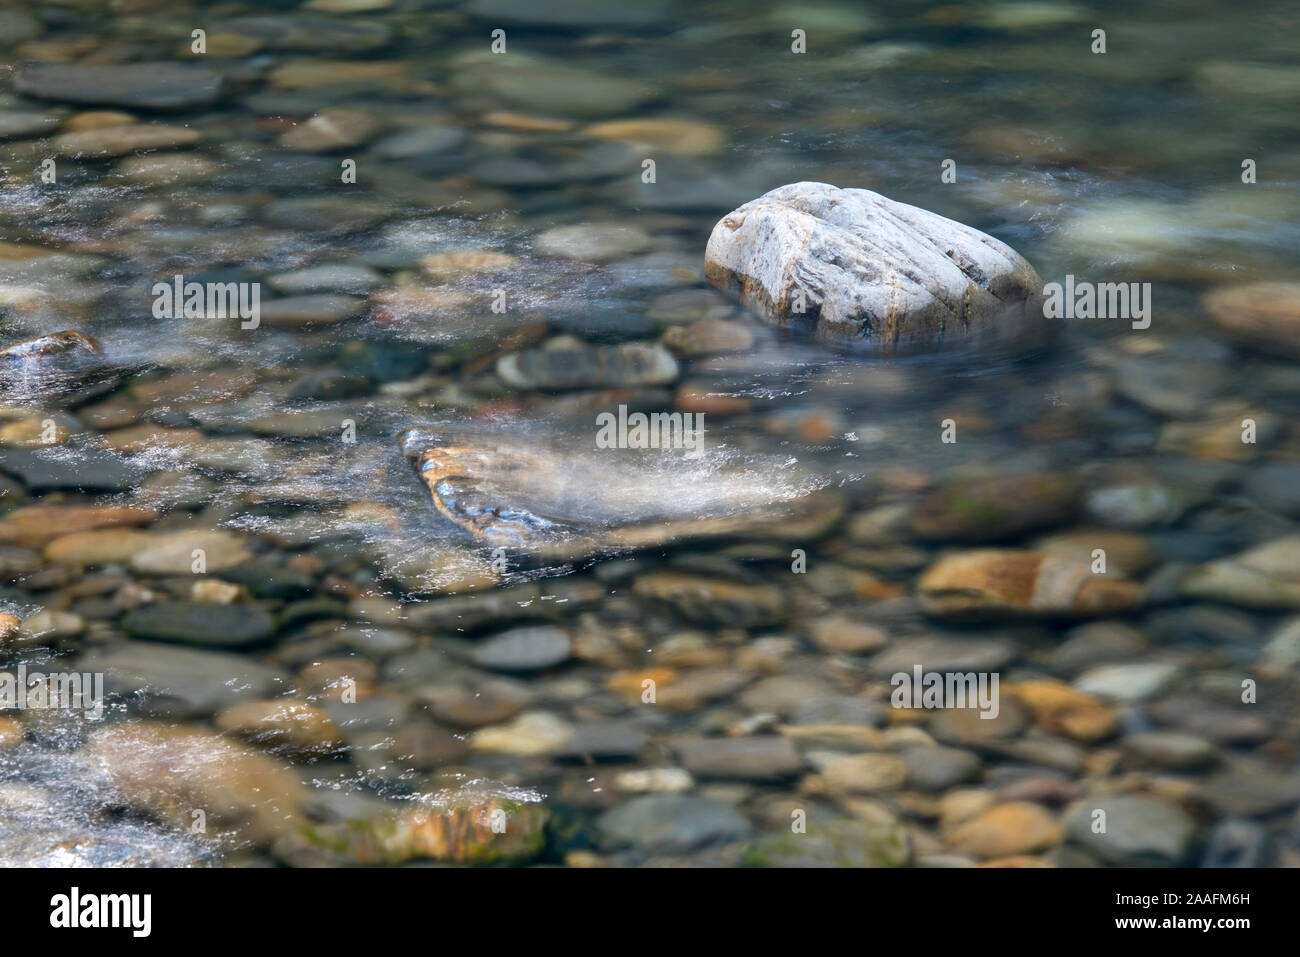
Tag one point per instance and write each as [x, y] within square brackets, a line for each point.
[424, 595]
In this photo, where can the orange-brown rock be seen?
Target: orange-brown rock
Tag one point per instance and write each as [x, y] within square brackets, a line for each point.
[993, 582]
[1007, 831]
[41, 524]
[1061, 709]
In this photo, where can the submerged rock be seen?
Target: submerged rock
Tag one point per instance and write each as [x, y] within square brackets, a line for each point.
[67, 365]
[1018, 827]
[988, 509]
[474, 825]
[166, 681]
[992, 582]
[838, 843]
[588, 367]
[557, 503]
[154, 86]
[40, 827]
[1138, 832]
[1264, 316]
[671, 823]
[1266, 576]
[170, 772]
[865, 267]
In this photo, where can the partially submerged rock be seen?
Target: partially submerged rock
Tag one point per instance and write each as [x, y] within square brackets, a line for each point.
[63, 364]
[552, 503]
[867, 268]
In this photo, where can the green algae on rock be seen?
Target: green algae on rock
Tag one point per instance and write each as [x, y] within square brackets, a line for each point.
[471, 826]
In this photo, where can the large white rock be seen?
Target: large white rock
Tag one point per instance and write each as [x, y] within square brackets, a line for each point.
[875, 270]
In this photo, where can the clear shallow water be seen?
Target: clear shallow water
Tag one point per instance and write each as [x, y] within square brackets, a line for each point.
[1117, 167]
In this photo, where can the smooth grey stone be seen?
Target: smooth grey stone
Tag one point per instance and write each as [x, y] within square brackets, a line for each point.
[533, 648]
[202, 623]
[154, 86]
[756, 758]
[1140, 831]
[672, 823]
[182, 683]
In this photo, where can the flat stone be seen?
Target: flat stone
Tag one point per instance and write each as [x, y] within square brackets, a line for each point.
[173, 553]
[709, 337]
[991, 583]
[571, 14]
[1172, 749]
[168, 772]
[605, 740]
[1017, 827]
[1266, 576]
[200, 623]
[834, 843]
[532, 734]
[452, 826]
[534, 648]
[21, 126]
[310, 310]
[765, 758]
[421, 141]
[41, 524]
[1139, 831]
[281, 723]
[332, 129]
[937, 768]
[1249, 788]
[167, 169]
[944, 654]
[45, 470]
[309, 32]
[103, 546]
[327, 277]
[181, 683]
[588, 367]
[154, 86]
[1225, 724]
[671, 823]
[121, 140]
[592, 242]
[548, 88]
[844, 636]
[1275, 486]
[990, 509]
[684, 137]
[1097, 643]
[1064, 710]
[1128, 682]
[871, 269]
[1263, 316]
[864, 773]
